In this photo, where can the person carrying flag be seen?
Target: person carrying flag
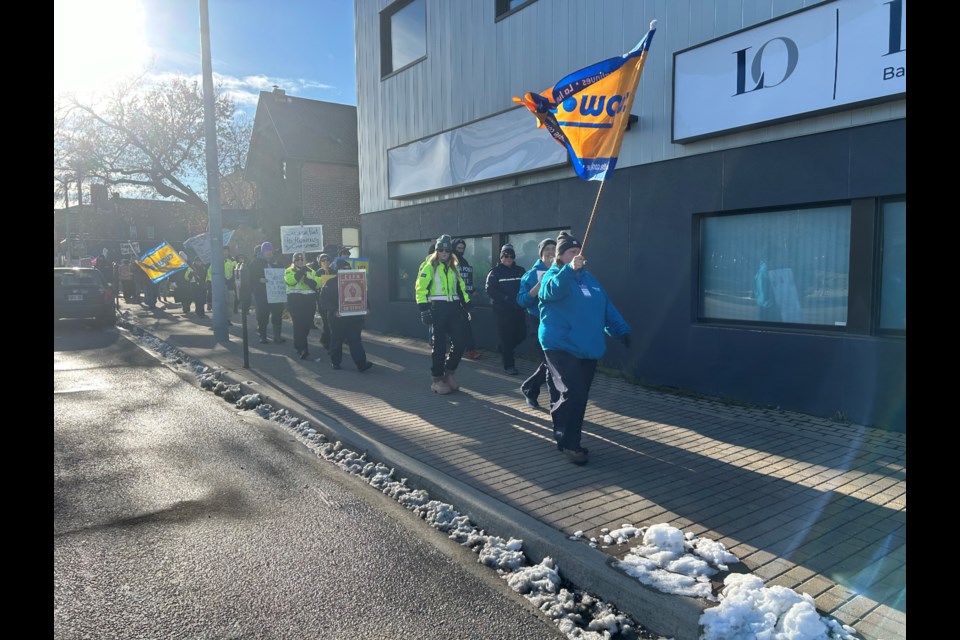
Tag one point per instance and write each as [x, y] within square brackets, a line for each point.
[575, 313]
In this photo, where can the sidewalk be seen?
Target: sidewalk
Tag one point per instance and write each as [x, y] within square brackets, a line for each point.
[803, 502]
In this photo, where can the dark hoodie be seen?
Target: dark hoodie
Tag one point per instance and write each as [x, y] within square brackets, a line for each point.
[466, 271]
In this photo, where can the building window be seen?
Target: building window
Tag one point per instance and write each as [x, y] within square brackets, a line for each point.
[506, 7]
[777, 267]
[406, 258]
[403, 35]
[893, 266]
[527, 245]
[151, 232]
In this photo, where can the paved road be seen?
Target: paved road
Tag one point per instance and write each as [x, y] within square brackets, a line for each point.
[175, 516]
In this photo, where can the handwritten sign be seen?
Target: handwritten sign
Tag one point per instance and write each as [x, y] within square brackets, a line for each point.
[306, 237]
[276, 287]
[200, 244]
[352, 288]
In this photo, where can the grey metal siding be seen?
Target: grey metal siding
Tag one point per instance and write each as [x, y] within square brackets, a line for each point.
[475, 65]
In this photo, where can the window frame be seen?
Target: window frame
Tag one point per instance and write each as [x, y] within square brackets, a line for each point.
[698, 318]
[878, 269]
[501, 8]
[386, 39]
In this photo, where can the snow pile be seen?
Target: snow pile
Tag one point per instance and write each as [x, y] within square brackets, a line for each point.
[750, 610]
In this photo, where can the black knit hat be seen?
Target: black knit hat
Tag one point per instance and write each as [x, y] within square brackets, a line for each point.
[444, 243]
[508, 250]
[566, 241]
[546, 242]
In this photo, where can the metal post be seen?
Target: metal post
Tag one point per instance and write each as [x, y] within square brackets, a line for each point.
[214, 224]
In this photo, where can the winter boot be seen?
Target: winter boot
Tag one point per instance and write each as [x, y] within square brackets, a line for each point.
[263, 337]
[440, 386]
[451, 381]
[277, 337]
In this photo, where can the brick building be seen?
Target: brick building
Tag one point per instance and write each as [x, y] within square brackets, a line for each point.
[303, 160]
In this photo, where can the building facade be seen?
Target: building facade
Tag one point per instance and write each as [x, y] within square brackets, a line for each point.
[303, 160]
[754, 232]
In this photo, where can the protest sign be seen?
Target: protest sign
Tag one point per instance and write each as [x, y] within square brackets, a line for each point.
[352, 287]
[304, 237]
[200, 244]
[276, 287]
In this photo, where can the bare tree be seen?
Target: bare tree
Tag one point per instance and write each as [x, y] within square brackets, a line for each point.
[148, 138]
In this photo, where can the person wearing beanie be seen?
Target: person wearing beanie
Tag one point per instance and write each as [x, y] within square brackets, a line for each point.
[466, 272]
[575, 317]
[267, 312]
[527, 299]
[343, 329]
[502, 286]
[444, 305]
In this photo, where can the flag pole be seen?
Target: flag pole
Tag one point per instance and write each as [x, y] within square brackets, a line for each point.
[586, 234]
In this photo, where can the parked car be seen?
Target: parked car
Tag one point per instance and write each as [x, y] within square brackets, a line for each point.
[80, 292]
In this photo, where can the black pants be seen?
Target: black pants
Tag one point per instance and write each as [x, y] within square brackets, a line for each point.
[301, 306]
[512, 330]
[531, 386]
[572, 378]
[346, 330]
[272, 312]
[449, 320]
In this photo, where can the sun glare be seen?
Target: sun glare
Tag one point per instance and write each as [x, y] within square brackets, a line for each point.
[96, 42]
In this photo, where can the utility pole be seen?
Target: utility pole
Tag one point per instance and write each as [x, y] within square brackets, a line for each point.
[214, 224]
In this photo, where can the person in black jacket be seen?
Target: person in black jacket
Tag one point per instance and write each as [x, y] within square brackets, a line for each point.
[272, 312]
[466, 272]
[342, 328]
[503, 283]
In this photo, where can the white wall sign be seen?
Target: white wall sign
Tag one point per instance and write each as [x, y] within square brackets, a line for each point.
[502, 145]
[833, 55]
[304, 237]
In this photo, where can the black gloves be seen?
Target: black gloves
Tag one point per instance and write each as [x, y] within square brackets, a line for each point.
[625, 339]
[426, 317]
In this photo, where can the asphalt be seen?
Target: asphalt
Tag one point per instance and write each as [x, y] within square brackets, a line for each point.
[807, 503]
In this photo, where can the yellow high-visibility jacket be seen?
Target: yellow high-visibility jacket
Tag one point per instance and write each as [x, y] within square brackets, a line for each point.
[440, 282]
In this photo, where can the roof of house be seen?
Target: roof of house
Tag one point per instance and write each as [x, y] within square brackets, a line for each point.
[308, 130]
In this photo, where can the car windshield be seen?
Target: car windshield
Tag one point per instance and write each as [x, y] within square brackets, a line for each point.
[76, 278]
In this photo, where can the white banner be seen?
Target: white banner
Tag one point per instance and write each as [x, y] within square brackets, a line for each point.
[200, 245]
[304, 237]
[276, 287]
[833, 55]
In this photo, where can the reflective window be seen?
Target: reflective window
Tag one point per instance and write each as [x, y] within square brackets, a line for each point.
[527, 245]
[785, 267]
[893, 267]
[406, 258]
[506, 6]
[403, 35]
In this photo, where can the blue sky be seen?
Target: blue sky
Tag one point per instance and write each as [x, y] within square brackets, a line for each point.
[304, 46]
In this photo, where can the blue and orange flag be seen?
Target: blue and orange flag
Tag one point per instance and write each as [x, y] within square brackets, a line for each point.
[587, 111]
[161, 262]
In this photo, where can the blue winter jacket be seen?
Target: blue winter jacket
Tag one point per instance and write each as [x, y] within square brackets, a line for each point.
[573, 321]
[529, 281]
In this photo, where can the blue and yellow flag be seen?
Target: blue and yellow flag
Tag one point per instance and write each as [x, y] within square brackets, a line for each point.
[161, 262]
[587, 111]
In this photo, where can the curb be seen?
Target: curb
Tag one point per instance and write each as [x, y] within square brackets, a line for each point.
[589, 569]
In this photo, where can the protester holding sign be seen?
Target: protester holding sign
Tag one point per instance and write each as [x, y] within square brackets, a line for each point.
[302, 285]
[266, 310]
[343, 328]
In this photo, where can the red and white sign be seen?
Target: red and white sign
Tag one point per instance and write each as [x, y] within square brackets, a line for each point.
[352, 287]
